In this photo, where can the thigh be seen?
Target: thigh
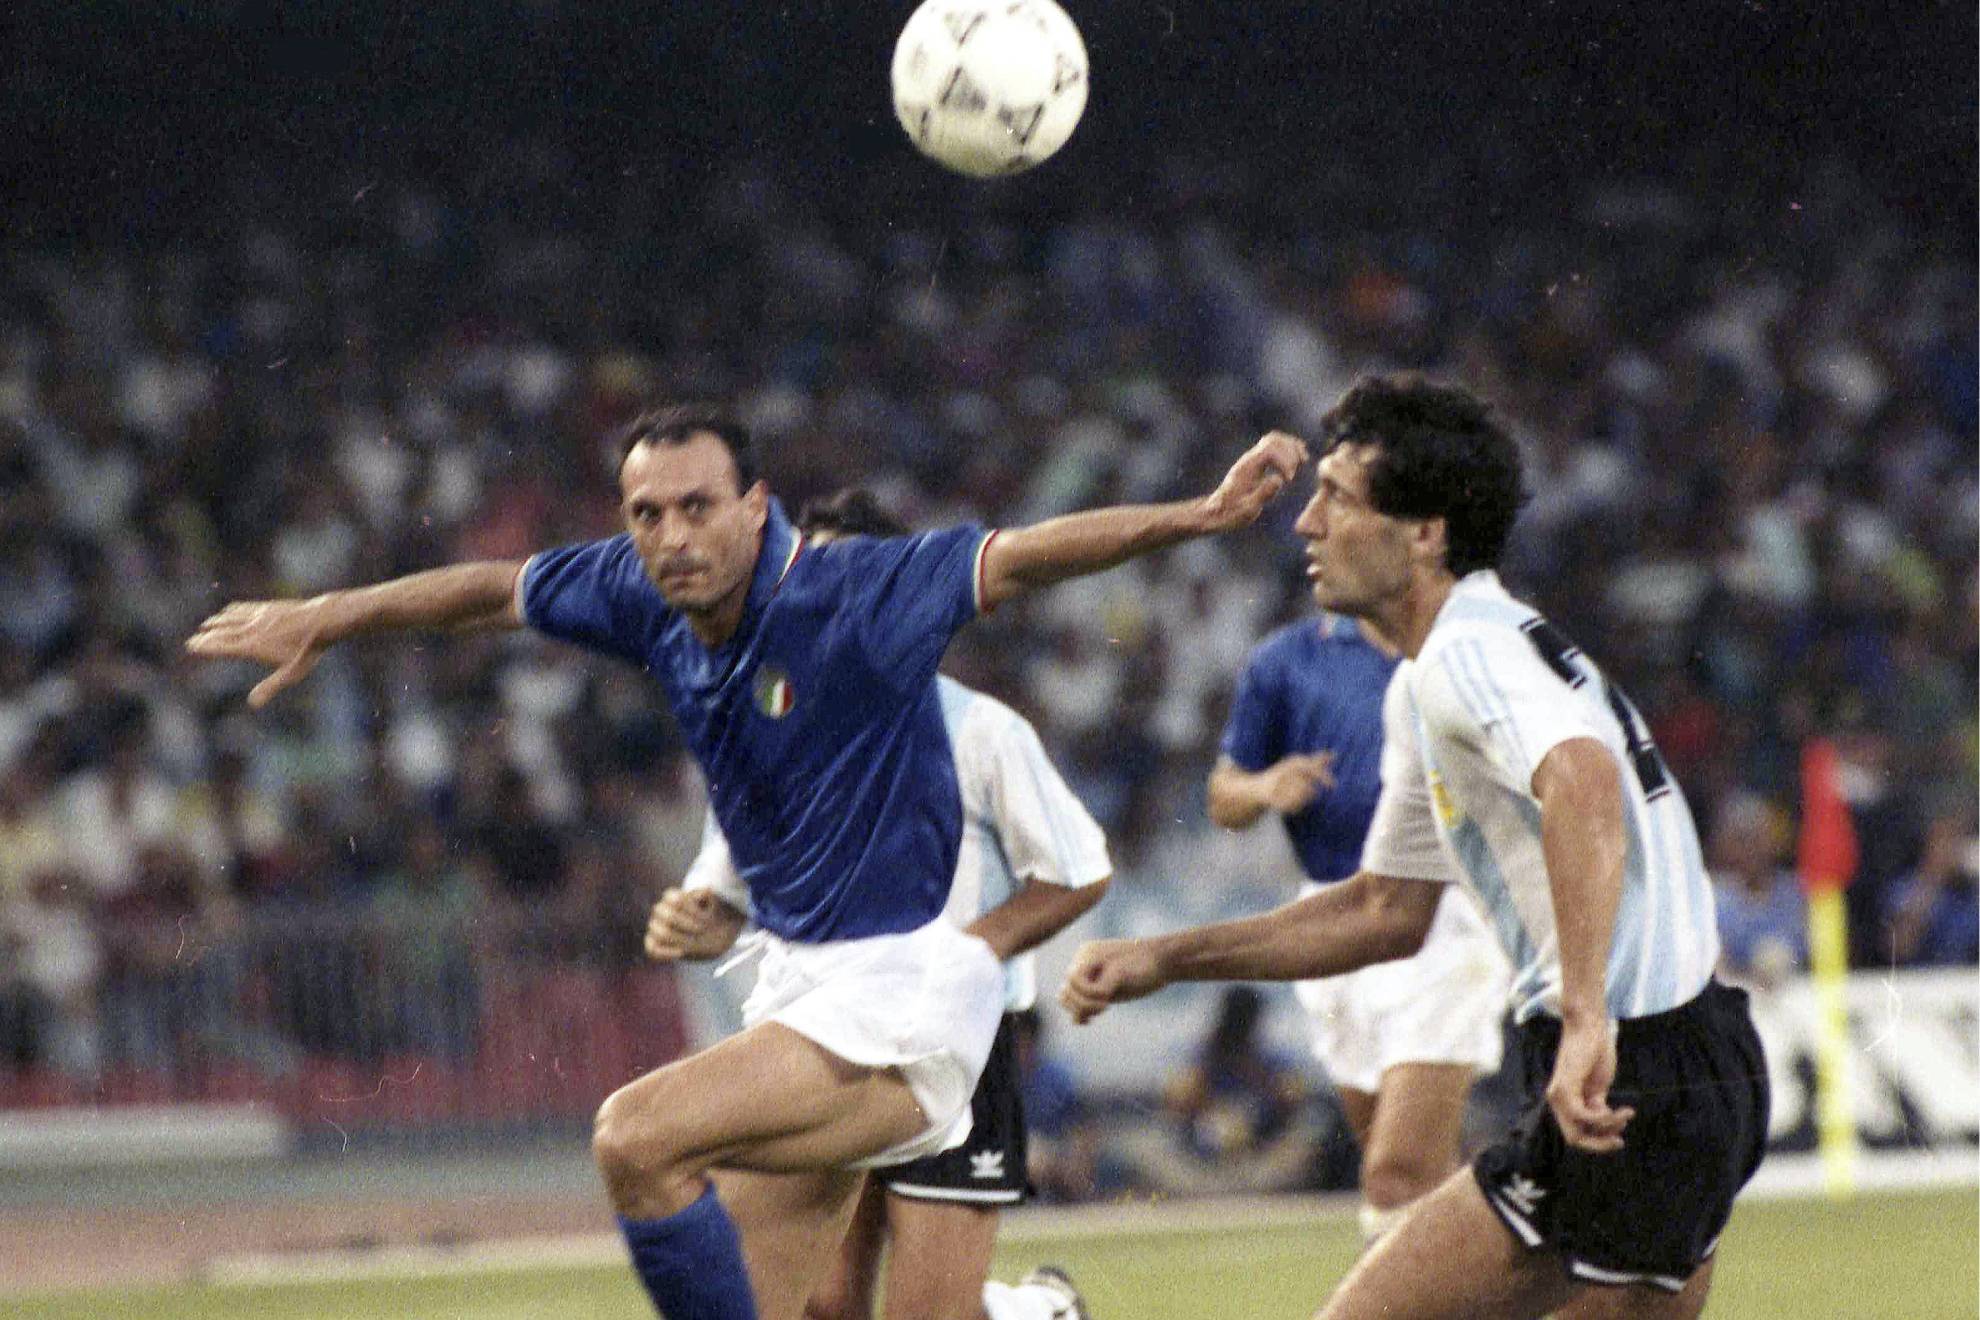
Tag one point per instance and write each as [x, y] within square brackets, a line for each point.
[1451, 1257]
[790, 1224]
[846, 1292]
[768, 1101]
[1418, 1117]
[938, 1255]
[1641, 1302]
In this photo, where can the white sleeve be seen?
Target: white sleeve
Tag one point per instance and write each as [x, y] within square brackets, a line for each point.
[713, 868]
[1045, 831]
[1402, 838]
[1497, 686]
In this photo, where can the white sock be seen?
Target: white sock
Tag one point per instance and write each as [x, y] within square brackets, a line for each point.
[1003, 1302]
[1376, 1222]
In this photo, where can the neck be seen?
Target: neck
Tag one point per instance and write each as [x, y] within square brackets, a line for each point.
[718, 623]
[1405, 621]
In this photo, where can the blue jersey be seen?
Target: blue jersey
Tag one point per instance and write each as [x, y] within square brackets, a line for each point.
[817, 723]
[1316, 686]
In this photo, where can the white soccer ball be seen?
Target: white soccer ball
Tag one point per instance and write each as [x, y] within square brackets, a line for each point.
[989, 87]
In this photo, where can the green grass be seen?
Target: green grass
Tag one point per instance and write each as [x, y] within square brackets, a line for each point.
[1901, 1256]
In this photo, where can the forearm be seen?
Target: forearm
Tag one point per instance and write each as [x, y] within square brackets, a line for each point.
[1022, 559]
[1034, 914]
[1581, 837]
[1343, 927]
[460, 597]
[1237, 797]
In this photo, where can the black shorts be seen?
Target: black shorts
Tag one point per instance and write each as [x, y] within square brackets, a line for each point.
[987, 1169]
[1652, 1212]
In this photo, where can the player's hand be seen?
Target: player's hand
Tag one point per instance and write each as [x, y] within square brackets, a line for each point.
[691, 924]
[1108, 972]
[1266, 468]
[1292, 784]
[1579, 1090]
[284, 634]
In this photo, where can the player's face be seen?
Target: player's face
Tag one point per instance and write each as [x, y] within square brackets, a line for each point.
[696, 533]
[1357, 559]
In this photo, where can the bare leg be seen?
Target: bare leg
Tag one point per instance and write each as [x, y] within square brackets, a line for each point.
[767, 1100]
[938, 1257]
[1451, 1258]
[1641, 1302]
[1412, 1142]
[848, 1289]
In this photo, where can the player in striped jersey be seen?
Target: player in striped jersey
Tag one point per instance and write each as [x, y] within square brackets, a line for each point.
[1031, 862]
[1512, 766]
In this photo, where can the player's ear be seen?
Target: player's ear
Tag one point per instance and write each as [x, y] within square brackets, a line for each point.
[1430, 541]
[757, 500]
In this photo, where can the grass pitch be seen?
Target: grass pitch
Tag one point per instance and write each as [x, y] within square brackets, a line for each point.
[1901, 1256]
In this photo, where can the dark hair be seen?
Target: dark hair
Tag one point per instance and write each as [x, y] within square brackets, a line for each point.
[678, 423]
[1441, 453]
[854, 511]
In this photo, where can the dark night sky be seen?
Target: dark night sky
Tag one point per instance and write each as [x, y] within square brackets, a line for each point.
[128, 124]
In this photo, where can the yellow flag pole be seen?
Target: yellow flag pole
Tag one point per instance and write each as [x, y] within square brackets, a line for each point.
[1828, 949]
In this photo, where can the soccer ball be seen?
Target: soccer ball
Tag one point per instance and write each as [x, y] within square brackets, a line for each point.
[989, 87]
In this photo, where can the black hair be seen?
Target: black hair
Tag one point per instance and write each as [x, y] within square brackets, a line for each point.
[1440, 453]
[854, 511]
[678, 423]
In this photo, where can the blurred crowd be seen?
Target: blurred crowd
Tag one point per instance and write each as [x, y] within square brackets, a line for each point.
[1749, 422]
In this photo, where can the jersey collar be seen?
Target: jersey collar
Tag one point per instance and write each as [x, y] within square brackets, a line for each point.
[782, 544]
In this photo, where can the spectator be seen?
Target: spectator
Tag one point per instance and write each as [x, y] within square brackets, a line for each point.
[1932, 917]
[1763, 920]
[427, 909]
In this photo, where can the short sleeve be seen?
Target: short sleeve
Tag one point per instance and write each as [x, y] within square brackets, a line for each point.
[912, 593]
[1521, 708]
[594, 595]
[1045, 831]
[714, 868]
[1402, 837]
[1255, 732]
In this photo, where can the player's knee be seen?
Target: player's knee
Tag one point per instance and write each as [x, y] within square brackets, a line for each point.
[1393, 1180]
[628, 1150]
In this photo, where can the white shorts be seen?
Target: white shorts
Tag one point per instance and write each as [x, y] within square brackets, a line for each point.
[927, 1003]
[1443, 1004]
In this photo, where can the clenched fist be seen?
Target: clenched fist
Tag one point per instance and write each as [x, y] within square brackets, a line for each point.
[1108, 972]
[691, 925]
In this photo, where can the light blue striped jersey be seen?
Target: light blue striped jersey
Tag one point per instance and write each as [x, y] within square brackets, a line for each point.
[1466, 723]
[1020, 823]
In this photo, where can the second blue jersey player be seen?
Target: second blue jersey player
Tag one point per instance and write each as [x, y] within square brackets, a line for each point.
[804, 683]
[1402, 1041]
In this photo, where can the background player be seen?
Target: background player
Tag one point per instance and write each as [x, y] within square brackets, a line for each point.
[1032, 862]
[804, 684]
[1401, 1040]
[1509, 762]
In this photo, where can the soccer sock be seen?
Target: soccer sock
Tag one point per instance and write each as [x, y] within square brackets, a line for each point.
[1003, 1302]
[1376, 1222]
[692, 1263]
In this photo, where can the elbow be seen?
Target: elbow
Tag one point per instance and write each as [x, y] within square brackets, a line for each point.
[1398, 918]
[1224, 814]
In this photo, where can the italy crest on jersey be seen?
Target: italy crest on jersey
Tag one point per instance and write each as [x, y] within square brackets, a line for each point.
[774, 694]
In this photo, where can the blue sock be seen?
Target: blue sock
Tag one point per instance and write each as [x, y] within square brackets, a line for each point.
[692, 1263]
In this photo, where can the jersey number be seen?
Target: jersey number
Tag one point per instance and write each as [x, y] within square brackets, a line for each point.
[1644, 758]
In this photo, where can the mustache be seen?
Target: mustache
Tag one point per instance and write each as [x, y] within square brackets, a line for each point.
[672, 564]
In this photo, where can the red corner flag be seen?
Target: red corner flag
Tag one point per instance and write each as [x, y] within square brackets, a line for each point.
[1826, 853]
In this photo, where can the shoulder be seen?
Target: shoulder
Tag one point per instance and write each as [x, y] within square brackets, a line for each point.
[977, 719]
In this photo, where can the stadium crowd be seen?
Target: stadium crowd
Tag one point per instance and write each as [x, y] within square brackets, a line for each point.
[1750, 430]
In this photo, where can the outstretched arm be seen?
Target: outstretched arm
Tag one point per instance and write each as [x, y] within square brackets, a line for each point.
[1369, 919]
[291, 635]
[1025, 558]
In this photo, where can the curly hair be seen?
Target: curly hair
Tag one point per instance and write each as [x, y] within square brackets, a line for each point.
[1440, 453]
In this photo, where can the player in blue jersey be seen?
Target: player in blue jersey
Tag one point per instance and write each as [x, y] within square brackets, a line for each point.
[1401, 1040]
[1512, 766]
[804, 683]
[1032, 861]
